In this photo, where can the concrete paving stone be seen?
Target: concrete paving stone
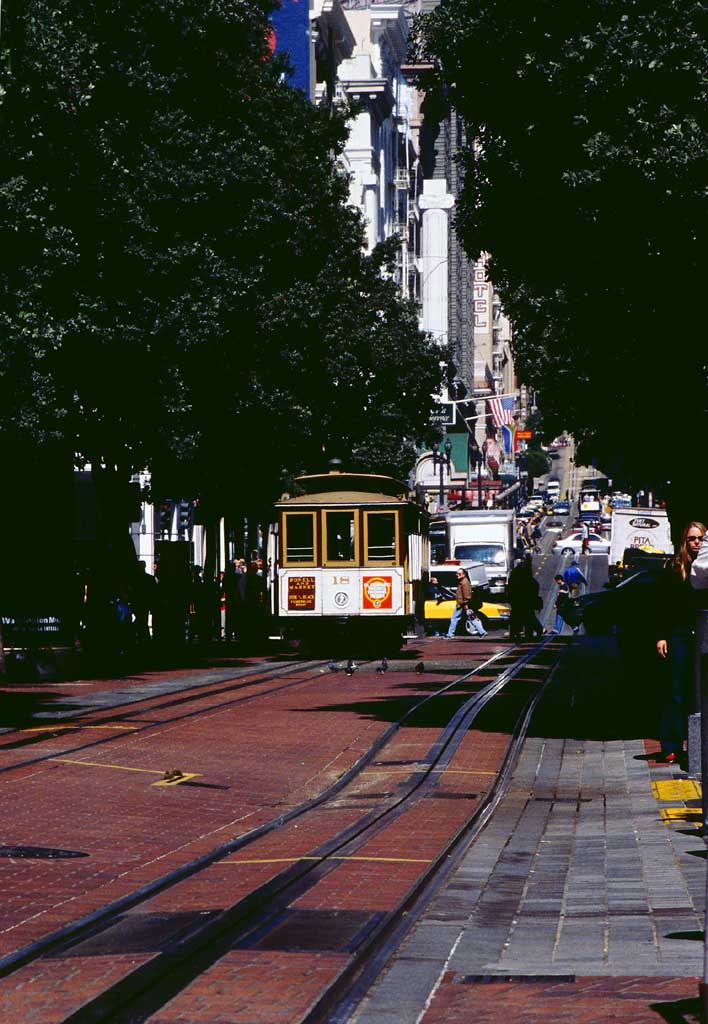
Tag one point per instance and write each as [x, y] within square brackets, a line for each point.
[432, 940]
[404, 988]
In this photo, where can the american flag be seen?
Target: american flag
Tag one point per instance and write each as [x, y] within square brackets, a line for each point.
[502, 410]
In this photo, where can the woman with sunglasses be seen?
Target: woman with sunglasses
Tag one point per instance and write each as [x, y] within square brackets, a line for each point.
[677, 617]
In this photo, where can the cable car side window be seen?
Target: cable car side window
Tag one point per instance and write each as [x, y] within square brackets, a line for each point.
[381, 538]
[340, 538]
[299, 539]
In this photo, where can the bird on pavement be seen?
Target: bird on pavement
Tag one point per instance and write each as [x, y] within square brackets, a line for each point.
[420, 668]
[333, 666]
[383, 667]
[350, 667]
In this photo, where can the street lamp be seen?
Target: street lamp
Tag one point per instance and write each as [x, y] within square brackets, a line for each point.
[476, 458]
[442, 459]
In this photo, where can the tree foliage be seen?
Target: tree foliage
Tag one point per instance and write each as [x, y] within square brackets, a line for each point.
[183, 285]
[588, 182]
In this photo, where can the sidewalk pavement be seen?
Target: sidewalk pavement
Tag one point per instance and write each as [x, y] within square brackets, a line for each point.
[582, 900]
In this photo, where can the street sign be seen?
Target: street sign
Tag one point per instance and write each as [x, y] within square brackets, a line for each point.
[443, 415]
[524, 435]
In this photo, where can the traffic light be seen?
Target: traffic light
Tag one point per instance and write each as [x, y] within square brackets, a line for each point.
[457, 390]
[185, 517]
[166, 514]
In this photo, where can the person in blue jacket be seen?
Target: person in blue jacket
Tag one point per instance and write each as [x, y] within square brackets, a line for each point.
[575, 579]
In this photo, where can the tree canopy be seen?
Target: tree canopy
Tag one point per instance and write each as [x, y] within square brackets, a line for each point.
[183, 283]
[588, 183]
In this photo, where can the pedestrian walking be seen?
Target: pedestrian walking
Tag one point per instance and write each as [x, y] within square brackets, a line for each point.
[475, 620]
[123, 621]
[575, 578]
[561, 603]
[234, 594]
[677, 604]
[199, 619]
[525, 600]
[144, 594]
[463, 595]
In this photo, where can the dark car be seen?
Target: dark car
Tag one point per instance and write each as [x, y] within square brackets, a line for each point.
[628, 609]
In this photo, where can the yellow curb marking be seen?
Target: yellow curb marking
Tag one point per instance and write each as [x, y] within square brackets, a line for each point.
[676, 789]
[681, 814]
[294, 860]
[124, 768]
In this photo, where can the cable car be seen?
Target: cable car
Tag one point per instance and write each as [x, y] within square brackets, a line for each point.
[348, 562]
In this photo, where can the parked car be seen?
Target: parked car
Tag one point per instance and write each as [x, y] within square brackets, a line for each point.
[573, 544]
[633, 560]
[629, 608]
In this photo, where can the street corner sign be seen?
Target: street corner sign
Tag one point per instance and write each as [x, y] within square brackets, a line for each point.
[443, 415]
[377, 592]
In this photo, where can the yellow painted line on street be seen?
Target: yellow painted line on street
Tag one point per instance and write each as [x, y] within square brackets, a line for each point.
[295, 860]
[164, 781]
[57, 728]
[99, 764]
[183, 777]
[438, 771]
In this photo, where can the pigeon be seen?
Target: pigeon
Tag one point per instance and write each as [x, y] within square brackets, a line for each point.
[333, 666]
[384, 665]
[420, 668]
[350, 667]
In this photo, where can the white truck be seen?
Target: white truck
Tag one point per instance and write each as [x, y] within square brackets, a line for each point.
[486, 536]
[646, 529]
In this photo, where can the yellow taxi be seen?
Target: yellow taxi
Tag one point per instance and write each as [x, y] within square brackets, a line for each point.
[441, 603]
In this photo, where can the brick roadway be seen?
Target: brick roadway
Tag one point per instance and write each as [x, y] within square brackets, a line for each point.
[147, 831]
[581, 1000]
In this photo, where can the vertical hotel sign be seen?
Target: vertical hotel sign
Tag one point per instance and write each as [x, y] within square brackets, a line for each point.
[482, 326]
[290, 23]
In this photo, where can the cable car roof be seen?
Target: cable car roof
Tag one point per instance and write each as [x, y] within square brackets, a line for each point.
[342, 488]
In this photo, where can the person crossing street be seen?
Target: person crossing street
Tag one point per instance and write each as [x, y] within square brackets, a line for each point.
[463, 597]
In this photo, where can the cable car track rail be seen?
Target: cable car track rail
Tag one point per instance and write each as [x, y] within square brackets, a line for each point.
[169, 971]
[13, 960]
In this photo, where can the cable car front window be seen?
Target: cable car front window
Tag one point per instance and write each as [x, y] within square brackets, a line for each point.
[340, 536]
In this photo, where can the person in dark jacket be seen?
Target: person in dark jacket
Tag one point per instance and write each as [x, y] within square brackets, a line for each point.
[561, 603]
[676, 617]
[525, 600]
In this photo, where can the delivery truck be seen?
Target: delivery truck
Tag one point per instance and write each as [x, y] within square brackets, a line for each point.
[637, 530]
[486, 536]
